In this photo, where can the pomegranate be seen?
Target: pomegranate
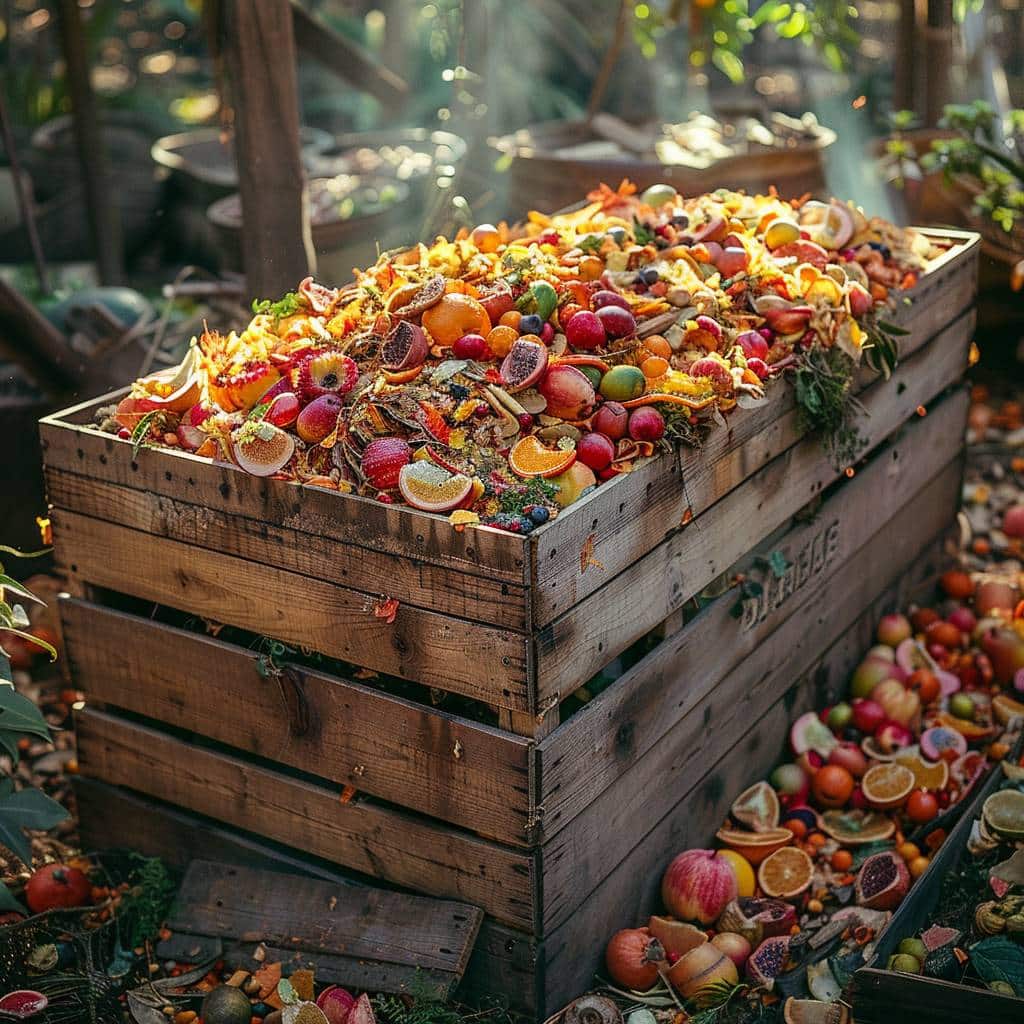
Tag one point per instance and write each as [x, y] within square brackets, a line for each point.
[612, 420]
[595, 450]
[383, 459]
[768, 961]
[632, 957]
[404, 348]
[336, 1004]
[882, 882]
[646, 424]
[698, 885]
[524, 365]
[713, 369]
[56, 886]
[757, 919]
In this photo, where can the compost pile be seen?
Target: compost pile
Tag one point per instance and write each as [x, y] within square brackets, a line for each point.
[503, 374]
[812, 861]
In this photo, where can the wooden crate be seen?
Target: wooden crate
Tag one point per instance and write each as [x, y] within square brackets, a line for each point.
[556, 828]
[205, 537]
[885, 997]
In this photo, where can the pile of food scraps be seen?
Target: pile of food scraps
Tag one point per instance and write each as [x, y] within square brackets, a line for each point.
[505, 373]
[772, 923]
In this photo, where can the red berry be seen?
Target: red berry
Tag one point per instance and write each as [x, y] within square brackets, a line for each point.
[124, 433]
[525, 421]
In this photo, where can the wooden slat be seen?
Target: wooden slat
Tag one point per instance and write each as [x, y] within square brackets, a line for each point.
[595, 630]
[69, 444]
[504, 961]
[626, 518]
[615, 730]
[607, 832]
[315, 916]
[380, 842]
[884, 998]
[632, 891]
[374, 573]
[427, 647]
[422, 758]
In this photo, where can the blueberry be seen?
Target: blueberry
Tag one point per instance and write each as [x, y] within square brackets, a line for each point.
[526, 524]
[617, 235]
[531, 324]
[649, 275]
[539, 514]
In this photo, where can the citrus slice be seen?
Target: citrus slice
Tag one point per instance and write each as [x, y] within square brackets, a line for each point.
[927, 774]
[428, 487]
[1003, 812]
[754, 846]
[786, 873]
[887, 785]
[850, 828]
[529, 458]
[757, 808]
[873, 750]
[742, 869]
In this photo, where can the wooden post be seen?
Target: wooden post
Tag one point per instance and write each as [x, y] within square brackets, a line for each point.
[939, 59]
[259, 50]
[904, 73]
[104, 216]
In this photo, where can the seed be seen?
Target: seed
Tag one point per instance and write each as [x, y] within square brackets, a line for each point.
[815, 906]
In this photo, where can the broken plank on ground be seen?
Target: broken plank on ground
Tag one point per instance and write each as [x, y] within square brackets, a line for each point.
[358, 936]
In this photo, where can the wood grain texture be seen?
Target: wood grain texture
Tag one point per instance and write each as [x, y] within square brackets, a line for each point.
[615, 730]
[631, 892]
[258, 45]
[429, 648]
[504, 961]
[350, 734]
[69, 444]
[595, 630]
[378, 841]
[628, 517]
[608, 831]
[884, 998]
[316, 916]
[377, 574]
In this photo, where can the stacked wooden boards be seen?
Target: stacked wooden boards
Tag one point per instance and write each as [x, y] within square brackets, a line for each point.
[556, 829]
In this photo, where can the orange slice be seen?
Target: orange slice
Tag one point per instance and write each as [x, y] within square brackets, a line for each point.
[755, 846]
[887, 785]
[529, 458]
[927, 774]
[786, 873]
[855, 826]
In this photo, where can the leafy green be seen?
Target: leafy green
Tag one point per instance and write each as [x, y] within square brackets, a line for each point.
[26, 809]
[825, 402]
[141, 431]
[590, 243]
[8, 902]
[145, 905]
[999, 959]
[288, 305]
[642, 233]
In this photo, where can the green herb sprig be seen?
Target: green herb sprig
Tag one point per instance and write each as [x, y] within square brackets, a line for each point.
[825, 401]
[288, 305]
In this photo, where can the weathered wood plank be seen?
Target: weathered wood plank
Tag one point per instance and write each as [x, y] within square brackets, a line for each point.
[628, 517]
[427, 647]
[595, 630]
[315, 916]
[614, 731]
[422, 758]
[908, 999]
[375, 573]
[632, 891]
[381, 842]
[71, 445]
[504, 961]
[577, 859]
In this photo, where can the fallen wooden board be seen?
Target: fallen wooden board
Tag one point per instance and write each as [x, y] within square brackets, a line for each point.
[292, 914]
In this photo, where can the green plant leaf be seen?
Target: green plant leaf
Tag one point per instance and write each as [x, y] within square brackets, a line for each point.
[32, 639]
[20, 715]
[5, 669]
[8, 902]
[141, 430]
[1000, 959]
[9, 583]
[728, 63]
[27, 809]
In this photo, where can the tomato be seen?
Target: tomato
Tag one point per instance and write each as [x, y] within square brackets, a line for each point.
[632, 957]
[57, 886]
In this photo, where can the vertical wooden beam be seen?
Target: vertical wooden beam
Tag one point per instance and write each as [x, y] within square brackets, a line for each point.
[939, 59]
[258, 44]
[104, 216]
[904, 75]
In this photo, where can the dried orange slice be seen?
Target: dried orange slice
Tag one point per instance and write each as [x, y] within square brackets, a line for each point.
[887, 785]
[529, 458]
[755, 846]
[927, 774]
[786, 873]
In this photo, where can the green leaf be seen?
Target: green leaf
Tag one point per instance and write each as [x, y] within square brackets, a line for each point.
[641, 232]
[795, 26]
[9, 583]
[590, 243]
[20, 715]
[5, 669]
[771, 11]
[27, 809]
[1000, 959]
[141, 430]
[32, 639]
[729, 64]
[7, 550]
[8, 902]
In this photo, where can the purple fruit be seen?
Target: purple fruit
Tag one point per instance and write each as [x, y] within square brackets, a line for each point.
[753, 345]
[768, 961]
[617, 322]
[605, 297]
[585, 330]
